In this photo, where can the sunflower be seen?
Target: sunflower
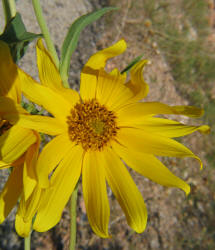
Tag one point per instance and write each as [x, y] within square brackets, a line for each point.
[18, 145]
[96, 132]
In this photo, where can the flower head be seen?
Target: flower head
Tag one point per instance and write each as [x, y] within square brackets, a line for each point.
[18, 145]
[94, 131]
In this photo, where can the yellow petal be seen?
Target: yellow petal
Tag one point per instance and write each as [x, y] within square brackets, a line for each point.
[96, 62]
[14, 142]
[136, 112]
[48, 73]
[169, 128]
[143, 142]
[31, 205]
[11, 192]
[51, 156]
[23, 228]
[9, 80]
[63, 182]
[9, 110]
[29, 172]
[150, 167]
[95, 193]
[16, 163]
[125, 191]
[70, 95]
[111, 91]
[4, 165]
[88, 85]
[51, 100]
[137, 84]
[44, 124]
[26, 211]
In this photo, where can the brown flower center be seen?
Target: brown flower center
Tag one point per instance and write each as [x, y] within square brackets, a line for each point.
[91, 125]
[4, 126]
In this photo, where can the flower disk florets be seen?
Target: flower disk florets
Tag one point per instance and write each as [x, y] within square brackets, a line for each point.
[91, 125]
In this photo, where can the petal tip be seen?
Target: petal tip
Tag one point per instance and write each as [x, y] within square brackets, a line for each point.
[201, 164]
[205, 129]
[121, 45]
[40, 43]
[187, 190]
[141, 228]
[105, 235]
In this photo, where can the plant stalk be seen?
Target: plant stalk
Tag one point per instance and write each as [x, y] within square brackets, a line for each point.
[44, 28]
[73, 206]
[9, 9]
[27, 245]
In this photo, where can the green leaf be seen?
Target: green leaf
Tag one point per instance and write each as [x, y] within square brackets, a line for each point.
[17, 37]
[131, 64]
[71, 40]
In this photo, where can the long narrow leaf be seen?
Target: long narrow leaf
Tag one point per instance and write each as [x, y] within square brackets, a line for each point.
[71, 40]
[131, 64]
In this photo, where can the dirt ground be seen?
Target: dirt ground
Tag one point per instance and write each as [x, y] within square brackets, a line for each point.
[175, 222]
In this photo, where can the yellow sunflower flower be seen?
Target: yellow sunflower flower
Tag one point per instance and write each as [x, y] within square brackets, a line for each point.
[14, 140]
[95, 132]
[18, 146]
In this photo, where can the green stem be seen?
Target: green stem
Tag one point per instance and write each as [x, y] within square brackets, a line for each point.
[28, 242]
[73, 205]
[44, 28]
[9, 9]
